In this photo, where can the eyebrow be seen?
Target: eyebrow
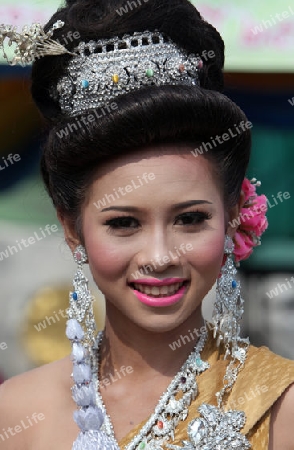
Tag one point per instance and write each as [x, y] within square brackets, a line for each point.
[176, 206]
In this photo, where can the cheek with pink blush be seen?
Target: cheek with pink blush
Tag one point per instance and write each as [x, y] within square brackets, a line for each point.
[207, 252]
[106, 259]
[205, 263]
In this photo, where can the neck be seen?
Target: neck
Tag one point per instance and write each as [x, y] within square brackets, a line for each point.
[146, 353]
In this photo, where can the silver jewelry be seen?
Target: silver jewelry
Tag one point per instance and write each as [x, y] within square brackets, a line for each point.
[169, 411]
[81, 300]
[80, 331]
[105, 69]
[218, 429]
[102, 70]
[32, 43]
[228, 308]
[215, 425]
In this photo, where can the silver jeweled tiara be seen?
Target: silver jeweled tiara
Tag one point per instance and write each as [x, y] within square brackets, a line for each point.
[111, 67]
[101, 71]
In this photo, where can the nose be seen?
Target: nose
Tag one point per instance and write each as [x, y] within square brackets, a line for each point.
[157, 253]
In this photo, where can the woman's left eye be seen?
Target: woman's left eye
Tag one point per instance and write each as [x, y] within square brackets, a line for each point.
[193, 217]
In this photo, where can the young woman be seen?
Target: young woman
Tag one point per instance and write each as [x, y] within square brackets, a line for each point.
[145, 163]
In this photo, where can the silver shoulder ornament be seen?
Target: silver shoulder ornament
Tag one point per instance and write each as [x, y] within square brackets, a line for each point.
[217, 429]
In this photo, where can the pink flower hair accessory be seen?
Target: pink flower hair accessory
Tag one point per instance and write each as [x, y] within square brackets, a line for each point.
[252, 221]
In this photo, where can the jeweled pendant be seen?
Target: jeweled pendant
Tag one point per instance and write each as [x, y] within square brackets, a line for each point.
[215, 430]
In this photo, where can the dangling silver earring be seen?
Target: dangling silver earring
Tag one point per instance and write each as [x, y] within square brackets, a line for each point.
[228, 308]
[81, 300]
[80, 330]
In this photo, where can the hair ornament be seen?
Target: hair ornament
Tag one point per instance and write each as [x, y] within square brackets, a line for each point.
[32, 43]
[252, 221]
[105, 69]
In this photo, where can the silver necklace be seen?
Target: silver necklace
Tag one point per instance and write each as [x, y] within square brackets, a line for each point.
[161, 425]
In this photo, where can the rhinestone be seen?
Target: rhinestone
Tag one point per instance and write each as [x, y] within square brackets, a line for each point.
[199, 361]
[149, 73]
[75, 296]
[229, 245]
[183, 380]
[197, 430]
[78, 256]
[115, 78]
[160, 424]
[85, 84]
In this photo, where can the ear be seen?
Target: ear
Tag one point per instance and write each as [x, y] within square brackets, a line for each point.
[234, 216]
[70, 233]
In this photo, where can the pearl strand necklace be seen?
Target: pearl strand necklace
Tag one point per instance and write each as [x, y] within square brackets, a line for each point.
[159, 428]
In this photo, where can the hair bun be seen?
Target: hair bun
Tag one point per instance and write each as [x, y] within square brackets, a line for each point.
[155, 114]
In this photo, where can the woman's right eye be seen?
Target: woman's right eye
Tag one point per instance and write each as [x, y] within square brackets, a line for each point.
[122, 222]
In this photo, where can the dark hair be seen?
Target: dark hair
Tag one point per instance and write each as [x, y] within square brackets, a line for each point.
[150, 115]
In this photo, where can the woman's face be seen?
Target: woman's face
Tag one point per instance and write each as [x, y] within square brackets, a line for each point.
[151, 216]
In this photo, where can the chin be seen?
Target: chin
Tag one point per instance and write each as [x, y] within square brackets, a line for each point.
[153, 320]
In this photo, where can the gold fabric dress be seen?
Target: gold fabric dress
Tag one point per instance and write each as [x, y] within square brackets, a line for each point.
[263, 379]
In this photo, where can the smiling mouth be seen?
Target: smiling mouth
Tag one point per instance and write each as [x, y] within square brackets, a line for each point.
[159, 291]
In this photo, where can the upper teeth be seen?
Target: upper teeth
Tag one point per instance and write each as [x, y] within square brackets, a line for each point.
[158, 290]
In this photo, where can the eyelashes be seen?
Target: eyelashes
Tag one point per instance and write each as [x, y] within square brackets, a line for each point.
[197, 217]
[121, 222]
[191, 218]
